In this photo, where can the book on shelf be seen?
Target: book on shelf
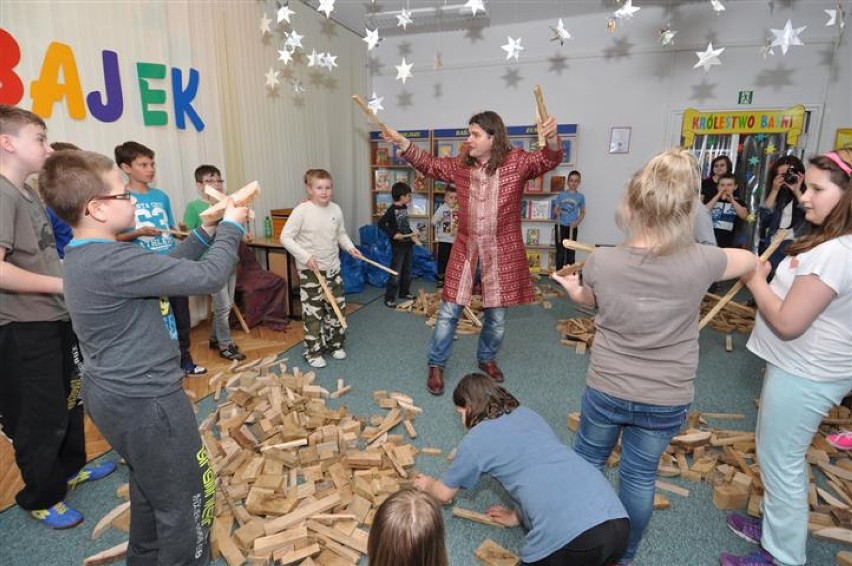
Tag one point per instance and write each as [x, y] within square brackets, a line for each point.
[396, 158]
[535, 185]
[440, 186]
[401, 176]
[446, 149]
[383, 180]
[533, 236]
[567, 157]
[383, 202]
[419, 205]
[551, 261]
[557, 183]
[534, 261]
[539, 210]
[419, 182]
[382, 157]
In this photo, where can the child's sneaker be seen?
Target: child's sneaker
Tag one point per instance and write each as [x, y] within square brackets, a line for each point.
[840, 440]
[192, 370]
[317, 362]
[745, 527]
[339, 354]
[757, 558]
[92, 472]
[58, 517]
[408, 297]
[231, 352]
[390, 304]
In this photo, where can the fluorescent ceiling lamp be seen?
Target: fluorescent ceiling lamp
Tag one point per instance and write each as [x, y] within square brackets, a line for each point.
[421, 17]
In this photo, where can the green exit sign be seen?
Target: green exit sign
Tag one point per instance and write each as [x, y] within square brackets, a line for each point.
[745, 97]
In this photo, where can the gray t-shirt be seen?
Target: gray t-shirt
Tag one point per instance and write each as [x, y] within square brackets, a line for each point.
[559, 494]
[27, 236]
[646, 343]
[117, 295]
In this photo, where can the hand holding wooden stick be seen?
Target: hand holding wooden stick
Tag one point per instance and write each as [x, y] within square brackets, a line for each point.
[370, 114]
[579, 246]
[330, 298]
[776, 241]
[539, 103]
[379, 265]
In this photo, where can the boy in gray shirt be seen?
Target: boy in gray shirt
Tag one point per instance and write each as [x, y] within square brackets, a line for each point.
[117, 294]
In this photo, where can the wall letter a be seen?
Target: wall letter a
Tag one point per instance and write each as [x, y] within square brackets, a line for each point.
[47, 90]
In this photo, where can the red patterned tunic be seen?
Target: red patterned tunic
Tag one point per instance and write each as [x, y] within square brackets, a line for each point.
[489, 224]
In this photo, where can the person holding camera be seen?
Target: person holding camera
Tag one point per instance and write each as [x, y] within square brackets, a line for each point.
[781, 208]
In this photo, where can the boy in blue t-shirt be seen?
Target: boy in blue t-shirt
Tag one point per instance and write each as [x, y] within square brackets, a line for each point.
[153, 221]
[571, 209]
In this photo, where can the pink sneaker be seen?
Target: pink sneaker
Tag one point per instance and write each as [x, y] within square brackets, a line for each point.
[840, 440]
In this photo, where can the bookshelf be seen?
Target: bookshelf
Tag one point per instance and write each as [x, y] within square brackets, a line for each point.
[387, 168]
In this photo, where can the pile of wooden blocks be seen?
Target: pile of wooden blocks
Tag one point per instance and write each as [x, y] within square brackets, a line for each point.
[428, 304]
[578, 333]
[733, 316]
[296, 481]
[725, 459]
[545, 293]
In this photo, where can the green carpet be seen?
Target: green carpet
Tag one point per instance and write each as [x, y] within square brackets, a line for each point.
[387, 350]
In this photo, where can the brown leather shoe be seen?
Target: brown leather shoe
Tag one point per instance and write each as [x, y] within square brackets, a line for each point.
[435, 382]
[493, 371]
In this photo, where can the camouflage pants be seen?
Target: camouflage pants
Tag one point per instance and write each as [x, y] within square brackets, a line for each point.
[323, 332]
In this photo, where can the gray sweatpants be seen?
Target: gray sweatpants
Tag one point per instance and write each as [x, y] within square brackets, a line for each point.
[172, 486]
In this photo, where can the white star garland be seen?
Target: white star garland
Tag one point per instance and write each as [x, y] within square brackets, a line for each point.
[329, 61]
[708, 58]
[294, 40]
[284, 13]
[375, 103]
[403, 19]
[667, 36]
[371, 39]
[786, 37]
[718, 7]
[285, 55]
[272, 79]
[403, 71]
[475, 6]
[265, 23]
[314, 59]
[560, 34]
[513, 48]
[836, 17]
[327, 7]
[626, 12]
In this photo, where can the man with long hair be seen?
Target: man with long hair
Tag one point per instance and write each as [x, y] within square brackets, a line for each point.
[489, 176]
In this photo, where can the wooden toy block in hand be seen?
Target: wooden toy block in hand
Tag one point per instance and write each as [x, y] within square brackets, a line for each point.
[243, 197]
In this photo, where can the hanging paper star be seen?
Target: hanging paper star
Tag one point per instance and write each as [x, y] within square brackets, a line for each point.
[371, 39]
[284, 13]
[285, 55]
[708, 58]
[718, 7]
[272, 79]
[560, 34]
[294, 40]
[475, 6]
[265, 22]
[403, 19]
[329, 61]
[626, 12]
[667, 36]
[326, 6]
[403, 71]
[770, 149]
[760, 138]
[754, 161]
[836, 17]
[375, 103]
[784, 38]
[513, 48]
[314, 58]
[298, 86]
[766, 50]
[437, 62]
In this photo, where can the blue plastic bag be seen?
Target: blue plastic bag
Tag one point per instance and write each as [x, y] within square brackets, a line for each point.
[423, 264]
[352, 271]
[376, 246]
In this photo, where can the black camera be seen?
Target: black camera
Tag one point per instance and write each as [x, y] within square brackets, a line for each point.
[791, 177]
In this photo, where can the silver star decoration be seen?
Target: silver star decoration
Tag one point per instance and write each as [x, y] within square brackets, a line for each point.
[475, 6]
[371, 39]
[285, 55]
[766, 50]
[513, 48]
[298, 86]
[667, 36]
[718, 7]
[437, 62]
[294, 40]
[560, 34]
[326, 6]
[626, 12]
[784, 38]
[403, 71]
[329, 61]
[284, 13]
[836, 17]
[375, 103]
[403, 19]
[272, 79]
[708, 58]
[265, 22]
[314, 59]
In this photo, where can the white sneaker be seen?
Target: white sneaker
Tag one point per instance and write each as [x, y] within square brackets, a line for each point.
[339, 354]
[317, 362]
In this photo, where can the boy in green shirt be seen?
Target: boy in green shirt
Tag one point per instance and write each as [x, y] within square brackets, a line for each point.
[220, 328]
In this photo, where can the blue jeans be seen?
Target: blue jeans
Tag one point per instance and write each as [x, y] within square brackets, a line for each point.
[646, 432]
[490, 337]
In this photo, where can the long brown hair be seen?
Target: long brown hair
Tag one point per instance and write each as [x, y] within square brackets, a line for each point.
[838, 222]
[482, 399]
[492, 124]
[408, 530]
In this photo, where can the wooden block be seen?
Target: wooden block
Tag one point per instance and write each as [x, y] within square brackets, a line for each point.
[474, 516]
[672, 488]
[574, 421]
[431, 451]
[692, 439]
[294, 556]
[727, 497]
[729, 343]
[107, 520]
[490, 553]
[355, 542]
[835, 534]
[844, 558]
[302, 513]
[661, 501]
[580, 348]
[754, 505]
[409, 428]
[108, 556]
[247, 534]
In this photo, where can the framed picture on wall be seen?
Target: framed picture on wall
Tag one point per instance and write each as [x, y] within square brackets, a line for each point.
[843, 138]
[619, 139]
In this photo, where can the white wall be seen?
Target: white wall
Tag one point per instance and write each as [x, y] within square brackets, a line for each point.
[624, 79]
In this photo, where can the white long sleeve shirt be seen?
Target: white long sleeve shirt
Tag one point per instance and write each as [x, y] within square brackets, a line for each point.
[317, 231]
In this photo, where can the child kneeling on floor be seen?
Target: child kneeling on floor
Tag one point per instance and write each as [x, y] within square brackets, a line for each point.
[570, 511]
[313, 234]
[117, 295]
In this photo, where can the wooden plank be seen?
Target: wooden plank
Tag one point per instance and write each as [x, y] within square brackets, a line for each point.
[108, 556]
[672, 488]
[108, 519]
[285, 521]
[294, 556]
[357, 543]
[490, 553]
[474, 516]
